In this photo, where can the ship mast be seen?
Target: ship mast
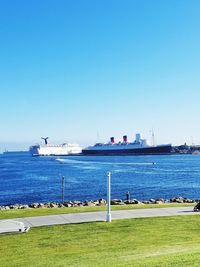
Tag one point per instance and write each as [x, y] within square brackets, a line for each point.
[152, 138]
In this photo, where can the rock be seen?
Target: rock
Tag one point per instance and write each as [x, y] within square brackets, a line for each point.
[90, 203]
[177, 200]
[67, 204]
[102, 202]
[188, 200]
[76, 202]
[135, 201]
[146, 202]
[53, 205]
[121, 203]
[14, 207]
[180, 200]
[60, 205]
[24, 207]
[34, 205]
[41, 205]
[96, 202]
[152, 201]
[159, 201]
[117, 202]
[131, 201]
[127, 202]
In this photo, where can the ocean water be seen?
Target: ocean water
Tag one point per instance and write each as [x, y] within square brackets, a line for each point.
[26, 179]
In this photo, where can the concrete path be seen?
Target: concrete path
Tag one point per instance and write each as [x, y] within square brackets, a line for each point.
[101, 216]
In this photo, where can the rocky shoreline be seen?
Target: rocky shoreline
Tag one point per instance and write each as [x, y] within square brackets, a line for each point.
[100, 202]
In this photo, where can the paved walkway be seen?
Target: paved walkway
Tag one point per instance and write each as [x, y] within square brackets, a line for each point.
[101, 216]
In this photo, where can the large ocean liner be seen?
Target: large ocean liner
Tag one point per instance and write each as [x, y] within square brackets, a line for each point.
[137, 147]
[54, 150]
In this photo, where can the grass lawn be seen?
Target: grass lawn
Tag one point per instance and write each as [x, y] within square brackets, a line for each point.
[161, 241]
[9, 214]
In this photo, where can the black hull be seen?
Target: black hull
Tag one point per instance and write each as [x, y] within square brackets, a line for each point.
[157, 150]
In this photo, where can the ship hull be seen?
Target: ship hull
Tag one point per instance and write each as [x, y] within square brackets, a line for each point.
[157, 150]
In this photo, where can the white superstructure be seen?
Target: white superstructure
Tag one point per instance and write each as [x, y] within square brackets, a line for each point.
[55, 150]
[139, 142]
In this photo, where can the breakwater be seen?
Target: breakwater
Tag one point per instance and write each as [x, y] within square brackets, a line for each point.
[99, 202]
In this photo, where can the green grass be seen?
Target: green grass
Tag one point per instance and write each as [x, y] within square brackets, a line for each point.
[144, 242]
[8, 214]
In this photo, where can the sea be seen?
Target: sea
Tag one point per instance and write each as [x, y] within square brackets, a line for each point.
[25, 179]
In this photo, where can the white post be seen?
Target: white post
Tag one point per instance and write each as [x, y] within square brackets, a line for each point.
[108, 216]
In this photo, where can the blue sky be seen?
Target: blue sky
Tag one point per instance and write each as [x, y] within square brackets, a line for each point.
[83, 71]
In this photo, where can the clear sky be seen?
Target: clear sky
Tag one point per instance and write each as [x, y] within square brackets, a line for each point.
[83, 71]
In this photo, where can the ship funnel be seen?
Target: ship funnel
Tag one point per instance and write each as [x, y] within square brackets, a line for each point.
[137, 137]
[112, 140]
[125, 139]
[45, 140]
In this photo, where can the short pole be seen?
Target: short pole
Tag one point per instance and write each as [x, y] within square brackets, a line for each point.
[108, 216]
[128, 196]
[63, 188]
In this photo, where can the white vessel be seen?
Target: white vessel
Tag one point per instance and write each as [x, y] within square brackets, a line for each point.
[54, 150]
